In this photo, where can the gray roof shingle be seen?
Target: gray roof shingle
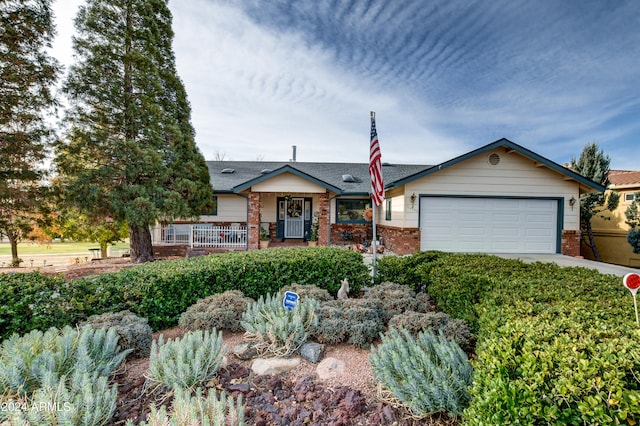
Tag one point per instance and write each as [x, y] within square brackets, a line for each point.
[326, 174]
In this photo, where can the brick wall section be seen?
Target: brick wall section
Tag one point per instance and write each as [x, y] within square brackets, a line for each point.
[253, 230]
[162, 251]
[400, 240]
[570, 242]
[323, 220]
[360, 232]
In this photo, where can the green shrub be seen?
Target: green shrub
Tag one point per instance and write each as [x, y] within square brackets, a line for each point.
[26, 360]
[276, 330]
[308, 291]
[428, 374]
[221, 311]
[29, 302]
[186, 362]
[197, 410]
[134, 332]
[568, 364]
[453, 329]
[403, 269]
[356, 321]
[161, 291]
[395, 299]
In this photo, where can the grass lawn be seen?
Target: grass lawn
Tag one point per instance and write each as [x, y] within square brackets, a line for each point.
[25, 248]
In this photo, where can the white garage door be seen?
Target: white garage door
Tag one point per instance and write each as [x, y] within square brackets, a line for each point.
[488, 225]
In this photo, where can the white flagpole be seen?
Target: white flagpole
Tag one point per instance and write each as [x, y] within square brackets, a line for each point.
[374, 244]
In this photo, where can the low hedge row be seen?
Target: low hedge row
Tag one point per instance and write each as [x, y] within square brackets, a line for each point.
[555, 345]
[161, 291]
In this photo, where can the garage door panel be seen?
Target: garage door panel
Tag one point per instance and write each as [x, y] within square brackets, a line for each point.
[488, 224]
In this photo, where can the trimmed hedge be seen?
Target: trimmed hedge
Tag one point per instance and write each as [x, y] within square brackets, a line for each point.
[554, 345]
[161, 291]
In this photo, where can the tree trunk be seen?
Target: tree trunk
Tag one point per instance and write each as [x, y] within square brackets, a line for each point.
[13, 241]
[141, 247]
[591, 242]
[103, 250]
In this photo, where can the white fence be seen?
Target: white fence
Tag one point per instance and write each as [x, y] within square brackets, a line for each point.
[200, 235]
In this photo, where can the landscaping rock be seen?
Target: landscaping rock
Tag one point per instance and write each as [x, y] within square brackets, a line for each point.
[312, 351]
[245, 351]
[267, 366]
[330, 368]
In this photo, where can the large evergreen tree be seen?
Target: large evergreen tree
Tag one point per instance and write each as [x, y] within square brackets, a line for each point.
[27, 74]
[594, 164]
[130, 151]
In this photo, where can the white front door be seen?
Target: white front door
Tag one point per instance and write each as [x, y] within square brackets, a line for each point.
[294, 218]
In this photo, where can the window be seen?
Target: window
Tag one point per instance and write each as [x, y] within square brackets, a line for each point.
[387, 212]
[629, 197]
[350, 210]
[213, 211]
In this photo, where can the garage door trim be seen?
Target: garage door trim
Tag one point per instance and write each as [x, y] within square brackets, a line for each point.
[559, 200]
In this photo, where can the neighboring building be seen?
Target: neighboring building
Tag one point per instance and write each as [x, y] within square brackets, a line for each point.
[611, 234]
[500, 198]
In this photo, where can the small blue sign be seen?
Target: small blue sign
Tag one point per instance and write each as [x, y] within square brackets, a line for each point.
[290, 300]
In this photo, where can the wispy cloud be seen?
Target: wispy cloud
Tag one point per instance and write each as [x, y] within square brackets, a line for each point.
[444, 77]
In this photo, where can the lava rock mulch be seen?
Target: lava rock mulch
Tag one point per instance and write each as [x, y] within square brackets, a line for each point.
[270, 400]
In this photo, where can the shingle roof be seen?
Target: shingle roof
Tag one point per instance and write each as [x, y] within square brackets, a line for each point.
[624, 177]
[325, 174]
[329, 175]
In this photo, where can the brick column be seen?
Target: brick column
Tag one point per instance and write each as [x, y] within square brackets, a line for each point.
[570, 242]
[323, 220]
[253, 226]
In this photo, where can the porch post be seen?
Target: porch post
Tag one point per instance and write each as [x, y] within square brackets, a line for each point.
[323, 221]
[253, 226]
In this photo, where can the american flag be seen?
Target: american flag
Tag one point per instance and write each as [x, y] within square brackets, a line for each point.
[375, 165]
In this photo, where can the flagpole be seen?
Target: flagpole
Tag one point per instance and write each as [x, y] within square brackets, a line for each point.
[374, 244]
[374, 207]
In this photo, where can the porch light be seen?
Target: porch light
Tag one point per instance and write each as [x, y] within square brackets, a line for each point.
[572, 202]
[413, 199]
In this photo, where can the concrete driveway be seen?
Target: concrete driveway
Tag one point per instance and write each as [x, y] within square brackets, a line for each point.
[562, 260]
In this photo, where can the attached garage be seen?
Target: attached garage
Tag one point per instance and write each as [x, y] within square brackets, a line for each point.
[489, 224]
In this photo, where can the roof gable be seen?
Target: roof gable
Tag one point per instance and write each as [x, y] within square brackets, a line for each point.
[280, 171]
[510, 146]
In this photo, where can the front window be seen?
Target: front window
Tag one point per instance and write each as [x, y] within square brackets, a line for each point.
[629, 197]
[350, 210]
[213, 209]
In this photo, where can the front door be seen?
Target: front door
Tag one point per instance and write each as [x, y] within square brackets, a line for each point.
[294, 218]
[294, 214]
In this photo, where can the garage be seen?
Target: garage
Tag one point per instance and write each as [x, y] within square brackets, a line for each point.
[489, 225]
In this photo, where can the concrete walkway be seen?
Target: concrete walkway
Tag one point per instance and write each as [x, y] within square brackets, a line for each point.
[558, 259]
[562, 260]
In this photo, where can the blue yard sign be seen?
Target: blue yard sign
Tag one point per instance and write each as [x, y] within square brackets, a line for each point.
[290, 300]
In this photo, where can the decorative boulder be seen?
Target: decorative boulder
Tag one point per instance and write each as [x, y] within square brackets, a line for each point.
[245, 351]
[330, 368]
[312, 351]
[269, 366]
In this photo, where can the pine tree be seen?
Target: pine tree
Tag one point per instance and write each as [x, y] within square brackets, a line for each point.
[130, 151]
[594, 164]
[27, 74]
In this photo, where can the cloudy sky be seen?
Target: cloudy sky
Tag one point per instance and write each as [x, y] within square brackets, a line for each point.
[443, 76]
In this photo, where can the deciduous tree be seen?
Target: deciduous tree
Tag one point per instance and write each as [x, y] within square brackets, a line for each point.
[130, 150]
[27, 75]
[594, 164]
